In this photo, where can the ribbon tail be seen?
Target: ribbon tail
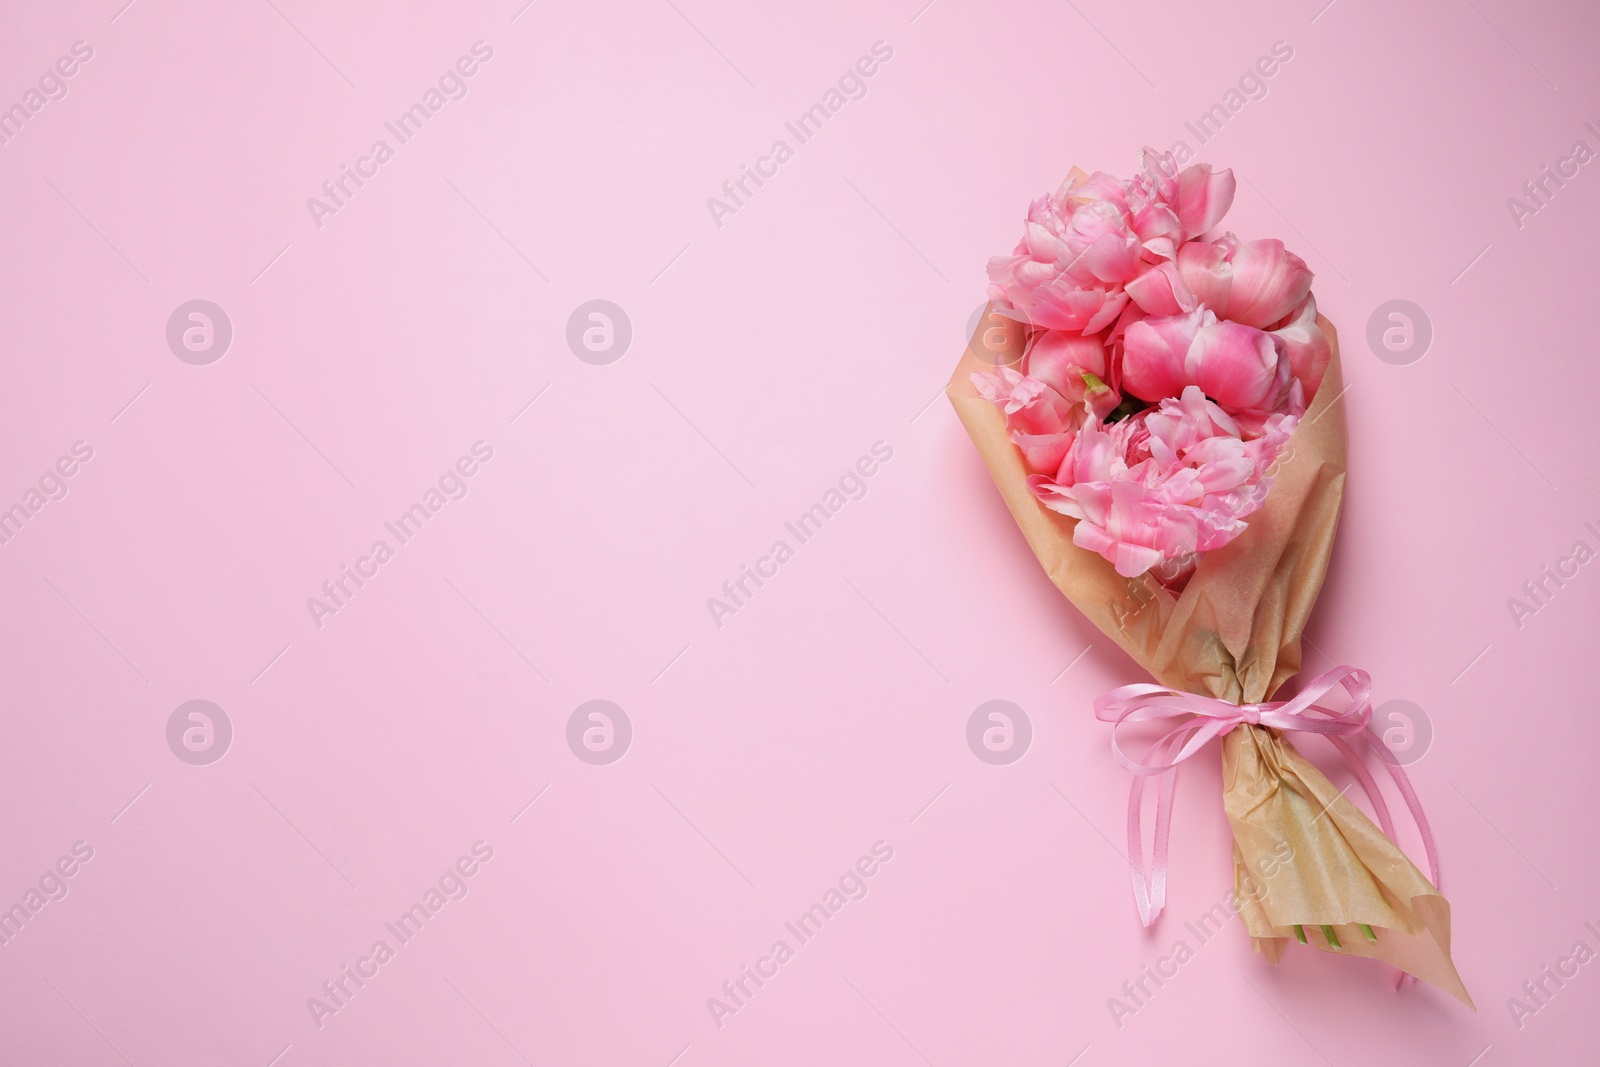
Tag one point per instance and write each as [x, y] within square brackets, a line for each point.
[1385, 820]
[1413, 804]
[1369, 785]
[1150, 884]
[1142, 888]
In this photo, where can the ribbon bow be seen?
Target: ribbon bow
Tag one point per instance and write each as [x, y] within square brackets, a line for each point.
[1205, 718]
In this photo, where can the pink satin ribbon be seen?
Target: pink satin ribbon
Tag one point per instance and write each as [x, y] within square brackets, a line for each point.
[1205, 718]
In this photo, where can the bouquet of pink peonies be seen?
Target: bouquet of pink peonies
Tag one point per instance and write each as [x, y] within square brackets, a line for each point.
[1158, 406]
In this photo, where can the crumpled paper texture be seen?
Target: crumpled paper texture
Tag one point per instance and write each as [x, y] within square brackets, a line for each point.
[1234, 633]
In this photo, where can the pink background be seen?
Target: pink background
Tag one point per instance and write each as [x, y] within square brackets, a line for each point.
[768, 354]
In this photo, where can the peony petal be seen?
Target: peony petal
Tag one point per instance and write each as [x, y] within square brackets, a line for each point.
[1308, 348]
[1038, 242]
[1204, 196]
[1155, 220]
[1101, 400]
[1160, 290]
[1101, 186]
[1160, 169]
[1238, 366]
[1269, 281]
[1057, 305]
[1059, 358]
[1160, 248]
[1130, 560]
[1056, 497]
[1075, 177]
[1208, 272]
[1043, 452]
[1029, 405]
[1110, 257]
[1112, 306]
[1153, 355]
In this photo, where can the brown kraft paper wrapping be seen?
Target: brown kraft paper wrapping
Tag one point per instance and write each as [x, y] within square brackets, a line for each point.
[1234, 633]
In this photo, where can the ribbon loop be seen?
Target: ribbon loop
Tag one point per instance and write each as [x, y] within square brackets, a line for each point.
[1202, 719]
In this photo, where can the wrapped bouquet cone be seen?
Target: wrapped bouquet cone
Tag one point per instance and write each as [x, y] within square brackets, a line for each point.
[1221, 631]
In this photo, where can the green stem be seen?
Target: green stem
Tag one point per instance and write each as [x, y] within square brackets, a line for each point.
[1333, 938]
[1300, 934]
[1368, 931]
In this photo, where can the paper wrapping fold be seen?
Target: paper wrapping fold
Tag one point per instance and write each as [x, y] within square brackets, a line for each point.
[1234, 633]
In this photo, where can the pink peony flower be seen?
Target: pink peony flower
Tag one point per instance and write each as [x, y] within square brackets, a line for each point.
[1096, 234]
[1163, 485]
[1042, 422]
[1066, 272]
[1240, 367]
[1074, 365]
[1060, 384]
[1177, 206]
[1028, 404]
[1256, 283]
